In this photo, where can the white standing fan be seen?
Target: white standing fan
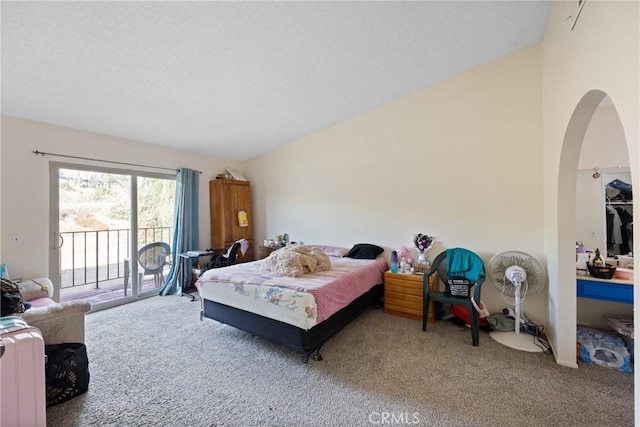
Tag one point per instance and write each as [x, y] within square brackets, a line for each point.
[516, 275]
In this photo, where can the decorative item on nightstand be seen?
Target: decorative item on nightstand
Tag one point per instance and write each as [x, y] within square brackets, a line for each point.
[404, 259]
[423, 243]
[394, 261]
[422, 268]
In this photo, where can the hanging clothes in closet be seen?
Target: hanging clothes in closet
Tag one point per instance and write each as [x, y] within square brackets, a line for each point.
[614, 229]
[620, 218]
[625, 218]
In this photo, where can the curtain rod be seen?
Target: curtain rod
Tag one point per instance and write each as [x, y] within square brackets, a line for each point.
[42, 153]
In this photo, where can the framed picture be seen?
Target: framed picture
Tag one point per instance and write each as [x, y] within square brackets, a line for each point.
[236, 174]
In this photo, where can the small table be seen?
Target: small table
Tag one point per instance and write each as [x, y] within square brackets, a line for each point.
[403, 295]
[183, 273]
[265, 251]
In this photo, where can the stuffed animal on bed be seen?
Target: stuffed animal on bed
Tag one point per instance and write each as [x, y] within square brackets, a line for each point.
[294, 261]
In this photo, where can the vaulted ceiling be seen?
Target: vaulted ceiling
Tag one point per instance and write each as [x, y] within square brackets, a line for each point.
[236, 79]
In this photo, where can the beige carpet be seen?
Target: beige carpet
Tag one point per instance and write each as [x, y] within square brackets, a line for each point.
[154, 363]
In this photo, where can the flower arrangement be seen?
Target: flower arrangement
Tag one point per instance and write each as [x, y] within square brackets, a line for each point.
[423, 242]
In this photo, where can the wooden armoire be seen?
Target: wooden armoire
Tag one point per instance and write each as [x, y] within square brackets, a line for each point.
[228, 197]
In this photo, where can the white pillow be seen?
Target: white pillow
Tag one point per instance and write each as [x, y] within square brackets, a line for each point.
[335, 251]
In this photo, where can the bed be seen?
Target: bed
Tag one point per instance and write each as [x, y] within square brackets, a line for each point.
[298, 313]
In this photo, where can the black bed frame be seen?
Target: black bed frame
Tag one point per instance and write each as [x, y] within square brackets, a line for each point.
[292, 337]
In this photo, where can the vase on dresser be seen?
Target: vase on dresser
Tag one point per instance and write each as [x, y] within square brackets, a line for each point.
[422, 265]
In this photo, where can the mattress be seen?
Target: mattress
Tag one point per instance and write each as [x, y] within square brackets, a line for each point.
[299, 301]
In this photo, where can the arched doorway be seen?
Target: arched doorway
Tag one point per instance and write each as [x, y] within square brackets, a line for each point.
[563, 300]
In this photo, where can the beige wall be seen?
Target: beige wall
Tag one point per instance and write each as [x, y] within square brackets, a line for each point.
[460, 160]
[25, 183]
[604, 144]
[600, 56]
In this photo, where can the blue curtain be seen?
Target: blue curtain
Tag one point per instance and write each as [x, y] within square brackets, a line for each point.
[185, 236]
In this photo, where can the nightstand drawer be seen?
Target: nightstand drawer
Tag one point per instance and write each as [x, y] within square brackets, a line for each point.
[409, 289]
[403, 300]
[403, 279]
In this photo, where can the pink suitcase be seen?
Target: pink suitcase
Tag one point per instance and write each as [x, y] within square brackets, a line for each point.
[22, 376]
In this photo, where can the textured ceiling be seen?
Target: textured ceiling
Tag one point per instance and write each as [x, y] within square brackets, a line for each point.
[236, 79]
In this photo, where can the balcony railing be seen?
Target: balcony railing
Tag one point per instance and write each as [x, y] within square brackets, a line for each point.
[92, 257]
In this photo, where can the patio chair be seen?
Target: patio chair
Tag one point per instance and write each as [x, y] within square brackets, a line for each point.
[152, 258]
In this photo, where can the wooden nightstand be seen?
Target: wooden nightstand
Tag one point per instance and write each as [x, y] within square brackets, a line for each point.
[265, 251]
[403, 295]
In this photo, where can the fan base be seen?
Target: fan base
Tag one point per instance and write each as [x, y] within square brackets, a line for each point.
[519, 341]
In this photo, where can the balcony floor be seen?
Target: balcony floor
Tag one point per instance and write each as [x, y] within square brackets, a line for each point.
[107, 292]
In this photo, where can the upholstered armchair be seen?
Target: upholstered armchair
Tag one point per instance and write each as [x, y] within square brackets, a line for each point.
[58, 322]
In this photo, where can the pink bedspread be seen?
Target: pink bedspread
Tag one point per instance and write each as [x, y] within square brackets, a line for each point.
[333, 289]
[345, 288]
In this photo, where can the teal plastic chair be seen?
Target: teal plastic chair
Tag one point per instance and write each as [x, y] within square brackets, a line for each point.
[455, 286]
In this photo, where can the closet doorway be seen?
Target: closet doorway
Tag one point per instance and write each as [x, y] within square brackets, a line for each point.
[604, 205]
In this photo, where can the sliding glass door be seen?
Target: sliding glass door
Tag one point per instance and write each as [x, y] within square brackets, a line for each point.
[155, 210]
[100, 219]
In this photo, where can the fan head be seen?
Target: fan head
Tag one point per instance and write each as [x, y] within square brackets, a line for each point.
[516, 275]
[507, 269]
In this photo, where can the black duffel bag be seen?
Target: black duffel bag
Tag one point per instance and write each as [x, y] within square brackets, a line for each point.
[66, 371]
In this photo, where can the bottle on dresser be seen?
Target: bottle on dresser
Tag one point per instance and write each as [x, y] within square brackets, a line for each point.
[597, 259]
[394, 261]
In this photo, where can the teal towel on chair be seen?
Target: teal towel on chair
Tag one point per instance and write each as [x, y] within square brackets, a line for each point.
[464, 263]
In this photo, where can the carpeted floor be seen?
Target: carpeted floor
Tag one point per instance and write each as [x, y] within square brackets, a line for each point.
[154, 363]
